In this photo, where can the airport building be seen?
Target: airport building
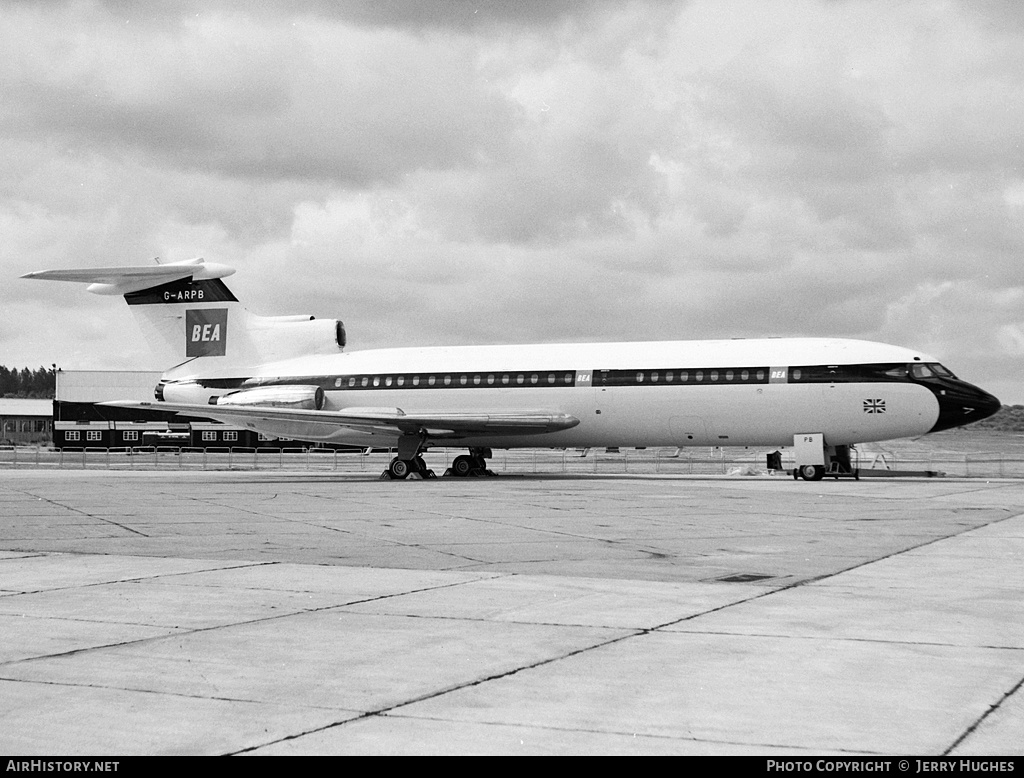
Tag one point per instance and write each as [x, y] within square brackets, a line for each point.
[25, 422]
[76, 419]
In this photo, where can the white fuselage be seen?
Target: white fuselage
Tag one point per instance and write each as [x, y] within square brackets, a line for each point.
[624, 394]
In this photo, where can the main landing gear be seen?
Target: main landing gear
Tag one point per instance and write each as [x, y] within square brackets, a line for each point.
[410, 462]
[400, 469]
[473, 464]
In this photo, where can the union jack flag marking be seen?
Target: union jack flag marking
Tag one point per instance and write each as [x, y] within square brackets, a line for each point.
[874, 406]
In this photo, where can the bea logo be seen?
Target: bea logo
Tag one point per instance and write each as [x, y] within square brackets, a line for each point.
[206, 332]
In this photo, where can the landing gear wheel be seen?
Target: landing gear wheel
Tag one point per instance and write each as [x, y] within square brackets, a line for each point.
[463, 465]
[399, 469]
[420, 464]
[812, 472]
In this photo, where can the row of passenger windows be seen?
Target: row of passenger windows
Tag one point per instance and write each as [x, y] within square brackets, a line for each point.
[863, 373]
[456, 380]
[739, 375]
[713, 375]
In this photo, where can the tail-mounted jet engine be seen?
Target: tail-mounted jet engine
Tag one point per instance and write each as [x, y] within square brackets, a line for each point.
[283, 337]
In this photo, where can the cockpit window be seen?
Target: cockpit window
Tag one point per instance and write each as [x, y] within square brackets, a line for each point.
[930, 370]
[921, 371]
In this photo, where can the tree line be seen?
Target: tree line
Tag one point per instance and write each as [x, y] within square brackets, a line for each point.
[1009, 419]
[39, 383]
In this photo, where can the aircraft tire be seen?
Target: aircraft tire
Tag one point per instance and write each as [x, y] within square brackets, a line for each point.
[812, 472]
[399, 469]
[462, 465]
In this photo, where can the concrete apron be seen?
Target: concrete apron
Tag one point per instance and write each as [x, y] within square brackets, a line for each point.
[913, 650]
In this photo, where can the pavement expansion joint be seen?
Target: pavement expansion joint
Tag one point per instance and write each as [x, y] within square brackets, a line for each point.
[981, 719]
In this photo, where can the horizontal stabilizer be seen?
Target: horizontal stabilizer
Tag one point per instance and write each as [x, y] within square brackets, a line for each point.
[125, 280]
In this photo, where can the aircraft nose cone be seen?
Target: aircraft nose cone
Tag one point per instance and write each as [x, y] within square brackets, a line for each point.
[961, 403]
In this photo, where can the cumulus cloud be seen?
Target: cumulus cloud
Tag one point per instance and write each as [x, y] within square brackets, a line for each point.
[496, 172]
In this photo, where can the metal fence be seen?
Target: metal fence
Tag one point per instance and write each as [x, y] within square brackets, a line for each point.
[666, 461]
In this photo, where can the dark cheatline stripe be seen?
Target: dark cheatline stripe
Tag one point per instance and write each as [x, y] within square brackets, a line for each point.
[671, 376]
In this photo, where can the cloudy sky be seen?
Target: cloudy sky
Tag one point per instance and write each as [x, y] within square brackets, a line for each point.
[542, 170]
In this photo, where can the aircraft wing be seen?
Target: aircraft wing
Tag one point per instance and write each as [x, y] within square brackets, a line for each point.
[437, 424]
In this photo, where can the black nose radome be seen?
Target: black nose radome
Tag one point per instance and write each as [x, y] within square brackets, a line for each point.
[962, 403]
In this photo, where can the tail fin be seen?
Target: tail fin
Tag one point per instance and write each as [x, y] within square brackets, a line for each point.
[187, 312]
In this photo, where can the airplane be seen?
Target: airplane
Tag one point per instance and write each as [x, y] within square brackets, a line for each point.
[290, 376]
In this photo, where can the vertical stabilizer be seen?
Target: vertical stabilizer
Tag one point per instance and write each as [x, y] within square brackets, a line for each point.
[186, 318]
